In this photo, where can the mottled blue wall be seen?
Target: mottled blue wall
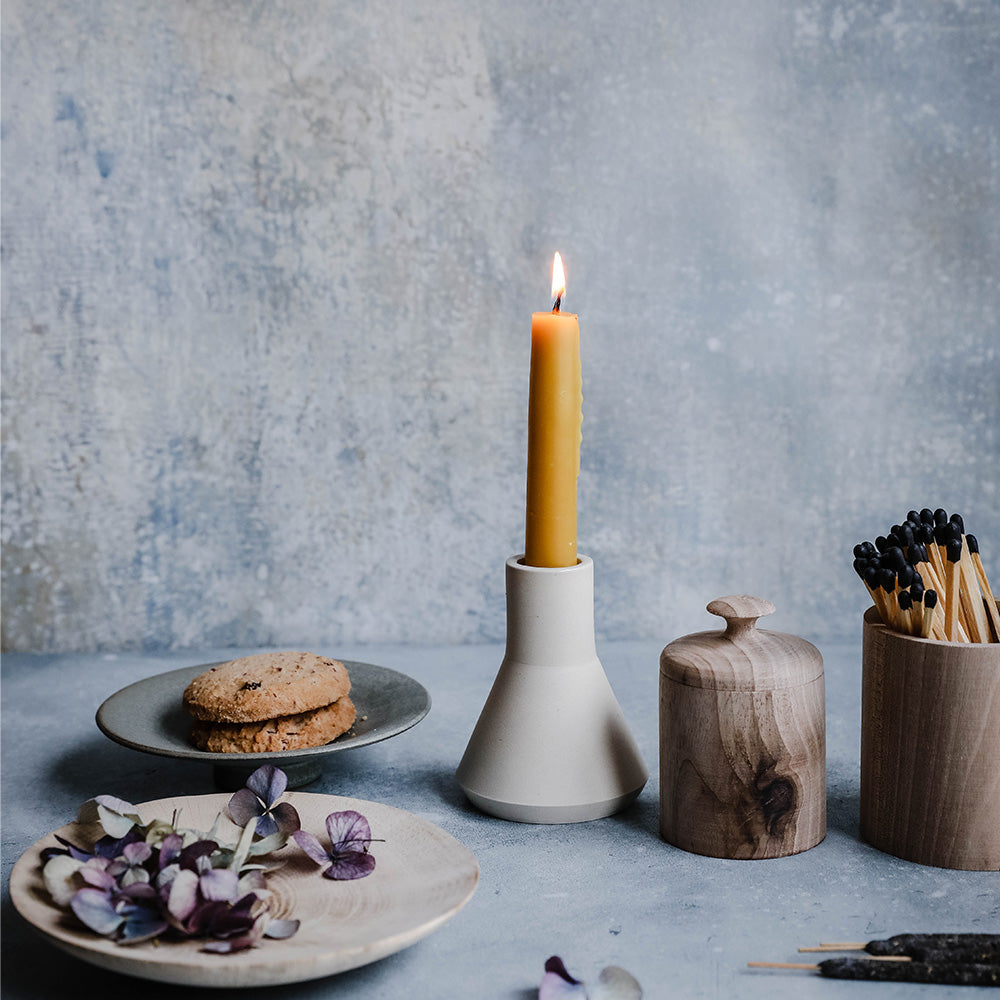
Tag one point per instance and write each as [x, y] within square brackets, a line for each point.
[268, 271]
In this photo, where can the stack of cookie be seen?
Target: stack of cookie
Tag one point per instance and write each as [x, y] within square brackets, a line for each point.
[269, 702]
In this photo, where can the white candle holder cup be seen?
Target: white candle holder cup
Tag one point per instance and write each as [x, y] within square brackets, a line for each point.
[551, 744]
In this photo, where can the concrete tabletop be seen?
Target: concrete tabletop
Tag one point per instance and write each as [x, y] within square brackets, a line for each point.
[608, 892]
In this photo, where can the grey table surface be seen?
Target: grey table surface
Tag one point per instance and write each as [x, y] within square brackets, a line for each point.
[608, 892]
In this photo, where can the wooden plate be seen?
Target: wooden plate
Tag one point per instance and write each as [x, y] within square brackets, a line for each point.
[422, 878]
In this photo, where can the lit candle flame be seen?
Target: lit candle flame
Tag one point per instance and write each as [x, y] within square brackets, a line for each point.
[558, 278]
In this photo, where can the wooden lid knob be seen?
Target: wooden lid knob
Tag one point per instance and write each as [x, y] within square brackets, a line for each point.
[741, 657]
[741, 612]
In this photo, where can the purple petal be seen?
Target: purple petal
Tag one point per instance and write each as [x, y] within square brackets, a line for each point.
[268, 783]
[74, 851]
[112, 847]
[311, 846]
[555, 964]
[266, 825]
[237, 943]
[137, 853]
[243, 806]
[350, 865]
[219, 884]
[97, 876]
[95, 909]
[348, 830]
[221, 920]
[141, 924]
[286, 817]
[183, 895]
[170, 849]
[193, 853]
[118, 805]
[141, 892]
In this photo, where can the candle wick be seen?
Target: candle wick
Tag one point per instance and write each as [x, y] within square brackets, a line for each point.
[555, 308]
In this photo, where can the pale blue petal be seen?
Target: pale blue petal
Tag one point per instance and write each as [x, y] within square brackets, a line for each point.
[94, 908]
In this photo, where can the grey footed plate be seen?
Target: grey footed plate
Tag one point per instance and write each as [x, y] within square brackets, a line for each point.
[149, 716]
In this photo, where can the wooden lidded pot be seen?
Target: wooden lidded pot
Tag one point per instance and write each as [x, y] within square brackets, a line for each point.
[742, 738]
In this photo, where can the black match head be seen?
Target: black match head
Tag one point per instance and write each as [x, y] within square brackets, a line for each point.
[973, 544]
[905, 534]
[860, 565]
[954, 550]
[913, 516]
[940, 534]
[916, 553]
[887, 579]
[905, 601]
[959, 520]
[893, 557]
[940, 516]
[871, 575]
[917, 590]
[930, 599]
[926, 533]
[905, 575]
[881, 544]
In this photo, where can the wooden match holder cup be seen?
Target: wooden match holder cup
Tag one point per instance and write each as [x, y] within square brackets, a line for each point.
[930, 748]
[742, 739]
[551, 744]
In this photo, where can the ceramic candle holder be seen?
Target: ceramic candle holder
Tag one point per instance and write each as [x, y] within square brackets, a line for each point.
[551, 744]
[930, 748]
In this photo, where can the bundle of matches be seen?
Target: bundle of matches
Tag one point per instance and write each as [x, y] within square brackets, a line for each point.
[926, 578]
[952, 959]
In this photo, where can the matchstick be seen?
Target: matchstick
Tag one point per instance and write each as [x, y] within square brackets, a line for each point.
[928, 621]
[973, 609]
[952, 598]
[972, 613]
[984, 583]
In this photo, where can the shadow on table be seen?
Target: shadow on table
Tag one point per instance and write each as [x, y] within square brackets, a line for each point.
[98, 766]
[33, 969]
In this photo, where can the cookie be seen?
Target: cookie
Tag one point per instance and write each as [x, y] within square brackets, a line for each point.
[289, 732]
[266, 686]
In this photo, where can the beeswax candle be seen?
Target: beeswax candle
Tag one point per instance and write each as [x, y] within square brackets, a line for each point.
[554, 433]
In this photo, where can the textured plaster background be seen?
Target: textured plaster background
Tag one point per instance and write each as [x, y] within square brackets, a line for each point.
[268, 272]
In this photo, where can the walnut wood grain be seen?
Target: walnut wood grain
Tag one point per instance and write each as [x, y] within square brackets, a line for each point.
[742, 739]
[930, 748]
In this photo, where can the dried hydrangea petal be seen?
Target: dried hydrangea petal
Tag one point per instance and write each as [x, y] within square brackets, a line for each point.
[95, 909]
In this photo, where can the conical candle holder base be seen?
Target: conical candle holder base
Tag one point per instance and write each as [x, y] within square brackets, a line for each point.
[551, 744]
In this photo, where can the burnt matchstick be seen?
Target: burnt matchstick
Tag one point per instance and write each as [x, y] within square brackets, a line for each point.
[984, 583]
[896, 969]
